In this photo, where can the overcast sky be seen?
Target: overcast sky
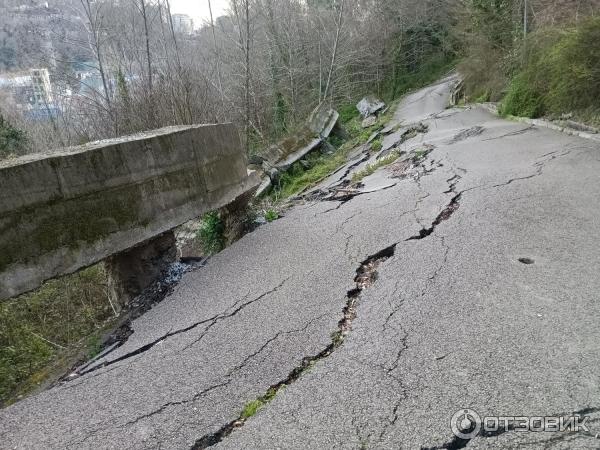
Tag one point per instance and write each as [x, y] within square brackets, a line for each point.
[198, 9]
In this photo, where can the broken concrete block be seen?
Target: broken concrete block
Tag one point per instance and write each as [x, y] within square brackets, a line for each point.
[322, 121]
[369, 122]
[369, 106]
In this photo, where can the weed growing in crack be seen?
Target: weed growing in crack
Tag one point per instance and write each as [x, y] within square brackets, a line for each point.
[254, 406]
[251, 409]
[337, 337]
[377, 145]
[372, 168]
[420, 154]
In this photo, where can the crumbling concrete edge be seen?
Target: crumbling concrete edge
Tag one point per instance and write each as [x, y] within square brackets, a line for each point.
[543, 123]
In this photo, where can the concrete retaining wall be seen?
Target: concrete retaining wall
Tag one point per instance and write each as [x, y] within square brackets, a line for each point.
[67, 210]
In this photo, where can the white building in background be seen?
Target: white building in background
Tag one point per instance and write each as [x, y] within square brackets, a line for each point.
[31, 89]
[42, 89]
[182, 23]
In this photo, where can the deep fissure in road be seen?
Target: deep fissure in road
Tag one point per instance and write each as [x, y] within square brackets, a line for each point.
[209, 322]
[150, 297]
[446, 213]
[366, 276]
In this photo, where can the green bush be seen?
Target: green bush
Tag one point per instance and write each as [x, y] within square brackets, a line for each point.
[211, 233]
[554, 71]
[12, 140]
[348, 112]
[569, 70]
[522, 99]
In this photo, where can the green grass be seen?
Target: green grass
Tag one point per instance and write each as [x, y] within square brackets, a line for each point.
[348, 112]
[251, 408]
[12, 140]
[372, 168]
[377, 144]
[271, 215]
[211, 233]
[419, 154]
[292, 184]
[43, 333]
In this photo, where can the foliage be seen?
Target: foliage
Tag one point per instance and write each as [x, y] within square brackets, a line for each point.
[571, 69]
[521, 100]
[560, 73]
[59, 319]
[211, 233]
[251, 408]
[12, 140]
[493, 20]
[553, 71]
[421, 54]
[271, 215]
[348, 112]
[377, 145]
[335, 141]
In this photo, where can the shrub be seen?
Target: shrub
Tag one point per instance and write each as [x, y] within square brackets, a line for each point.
[570, 69]
[522, 99]
[553, 71]
[348, 112]
[12, 140]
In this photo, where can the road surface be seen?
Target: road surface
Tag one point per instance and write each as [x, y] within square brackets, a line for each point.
[481, 291]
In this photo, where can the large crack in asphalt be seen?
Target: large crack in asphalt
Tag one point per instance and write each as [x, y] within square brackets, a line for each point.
[446, 213]
[512, 133]
[211, 322]
[539, 168]
[366, 275]
[345, 190]
[156, 293]
[465, 134]
[203, 393]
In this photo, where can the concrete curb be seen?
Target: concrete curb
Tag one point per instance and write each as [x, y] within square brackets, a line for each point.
[491, 107]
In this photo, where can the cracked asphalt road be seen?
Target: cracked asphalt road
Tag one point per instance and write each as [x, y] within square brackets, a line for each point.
[453, 320]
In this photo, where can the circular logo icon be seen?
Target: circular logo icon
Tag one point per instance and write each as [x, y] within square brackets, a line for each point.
[466, 424]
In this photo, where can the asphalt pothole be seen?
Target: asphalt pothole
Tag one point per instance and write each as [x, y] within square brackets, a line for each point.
[527, 261]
